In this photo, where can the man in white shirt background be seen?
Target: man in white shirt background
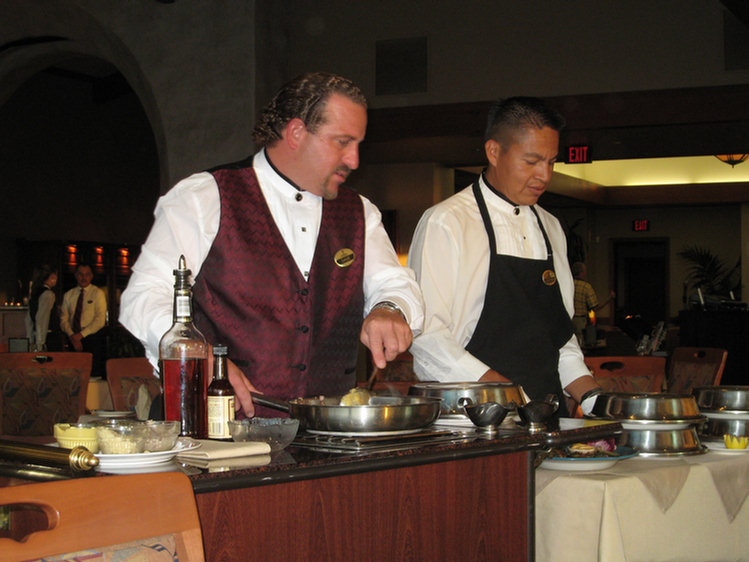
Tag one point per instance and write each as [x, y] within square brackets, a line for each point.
[291, 268]
[82, 316]
[492, 266]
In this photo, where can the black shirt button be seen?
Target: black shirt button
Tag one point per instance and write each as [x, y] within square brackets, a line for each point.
[301, 367]
[516, 211]
[298, 197]
[303, 292]
[304, 329]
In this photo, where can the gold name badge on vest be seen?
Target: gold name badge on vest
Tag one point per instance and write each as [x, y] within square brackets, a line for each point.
[549, 277]
[344, 257]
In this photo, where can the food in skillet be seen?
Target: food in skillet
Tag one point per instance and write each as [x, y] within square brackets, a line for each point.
[356, 397]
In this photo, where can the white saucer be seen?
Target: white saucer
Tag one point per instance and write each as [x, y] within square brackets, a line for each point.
[139, 460]
[720, 447]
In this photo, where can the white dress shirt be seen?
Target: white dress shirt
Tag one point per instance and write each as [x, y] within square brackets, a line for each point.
[450, 255]
[186, 223]
[93, 314]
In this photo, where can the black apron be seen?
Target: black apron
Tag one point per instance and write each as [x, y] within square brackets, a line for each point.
[523, 323]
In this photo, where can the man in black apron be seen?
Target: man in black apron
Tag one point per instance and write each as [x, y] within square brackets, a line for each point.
[506, 316]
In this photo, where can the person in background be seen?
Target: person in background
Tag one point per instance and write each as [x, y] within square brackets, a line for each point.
[492, 266]
[83, 315]
[290, 266]
[42, 312]
[585, 300]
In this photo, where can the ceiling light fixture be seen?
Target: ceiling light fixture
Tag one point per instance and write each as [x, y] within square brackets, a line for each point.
[732, 159]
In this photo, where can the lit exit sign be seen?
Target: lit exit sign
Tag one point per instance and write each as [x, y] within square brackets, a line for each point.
[581, 154]
[641, 225]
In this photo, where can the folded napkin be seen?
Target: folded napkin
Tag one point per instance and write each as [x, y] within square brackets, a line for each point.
[211, 450]
[235, 463]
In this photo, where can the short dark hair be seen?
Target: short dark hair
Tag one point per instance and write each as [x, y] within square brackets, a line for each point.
[509, 115]
[577, 268]
[304, 97]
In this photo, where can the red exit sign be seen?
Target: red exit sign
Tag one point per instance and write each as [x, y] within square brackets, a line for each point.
[641, 225]
[579, 154]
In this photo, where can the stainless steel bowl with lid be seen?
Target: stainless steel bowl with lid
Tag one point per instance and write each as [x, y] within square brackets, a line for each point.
[716, 427]
[648, 408]
[722, 398]
[664, 442]
[504, 393]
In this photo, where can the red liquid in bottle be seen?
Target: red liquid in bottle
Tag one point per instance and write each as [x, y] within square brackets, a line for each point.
[185, 395]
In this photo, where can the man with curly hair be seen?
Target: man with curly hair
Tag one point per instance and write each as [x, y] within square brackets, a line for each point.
[290, 265]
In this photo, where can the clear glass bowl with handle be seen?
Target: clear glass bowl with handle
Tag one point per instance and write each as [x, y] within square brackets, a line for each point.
[277, 432]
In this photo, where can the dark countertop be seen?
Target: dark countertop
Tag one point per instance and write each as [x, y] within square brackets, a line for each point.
[297, 463]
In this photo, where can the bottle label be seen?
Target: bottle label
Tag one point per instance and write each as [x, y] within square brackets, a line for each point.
[182, 307]
[220, 411]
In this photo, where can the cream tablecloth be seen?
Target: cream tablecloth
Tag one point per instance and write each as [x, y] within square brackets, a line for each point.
[641, 509]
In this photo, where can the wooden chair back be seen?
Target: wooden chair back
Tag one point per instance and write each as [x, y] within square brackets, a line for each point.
[690, 367]
[125, 376]
[38, 390]
[630, 374]
[130, 515]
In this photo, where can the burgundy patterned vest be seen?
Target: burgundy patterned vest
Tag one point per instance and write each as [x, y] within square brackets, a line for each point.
[291, 337]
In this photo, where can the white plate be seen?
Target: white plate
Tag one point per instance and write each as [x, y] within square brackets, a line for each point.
[720, 447]
[138, 460]
[733, 415]
[113, 413]
[572, 464]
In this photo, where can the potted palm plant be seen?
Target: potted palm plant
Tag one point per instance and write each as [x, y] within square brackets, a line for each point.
[709, 274]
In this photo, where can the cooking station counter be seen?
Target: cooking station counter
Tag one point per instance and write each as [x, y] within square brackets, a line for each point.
[466, 495]
[472, 498]
[331, 458]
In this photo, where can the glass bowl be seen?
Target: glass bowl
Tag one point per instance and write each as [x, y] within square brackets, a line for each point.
[71, 435]
[277, 432]
[162, 435]
[121, 437]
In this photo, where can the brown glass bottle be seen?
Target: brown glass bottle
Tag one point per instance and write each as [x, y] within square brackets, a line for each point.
[220, 397]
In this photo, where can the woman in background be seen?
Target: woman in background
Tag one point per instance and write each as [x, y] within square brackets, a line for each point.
[41, 309]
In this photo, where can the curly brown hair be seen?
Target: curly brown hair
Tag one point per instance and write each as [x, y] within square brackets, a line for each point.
[305, 98]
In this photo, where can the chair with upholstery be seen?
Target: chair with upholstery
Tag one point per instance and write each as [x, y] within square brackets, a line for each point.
[632, 374]
[38, 390]
[126, 376]
[148, 517]
[690, 367]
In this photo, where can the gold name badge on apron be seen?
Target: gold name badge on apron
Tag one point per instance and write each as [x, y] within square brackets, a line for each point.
[344, 257]
[549, 277]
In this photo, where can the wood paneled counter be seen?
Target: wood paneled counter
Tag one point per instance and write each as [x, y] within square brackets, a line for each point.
[470, 500]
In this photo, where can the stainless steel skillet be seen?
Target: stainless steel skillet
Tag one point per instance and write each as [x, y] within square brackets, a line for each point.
[381, 414]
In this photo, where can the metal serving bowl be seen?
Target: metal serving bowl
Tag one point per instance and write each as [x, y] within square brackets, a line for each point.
[664, 443]
[504, 393]
[647, 407]
[722, 398]
[718, 425]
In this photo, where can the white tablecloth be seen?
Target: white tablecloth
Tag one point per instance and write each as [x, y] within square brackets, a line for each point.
[690, 508]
